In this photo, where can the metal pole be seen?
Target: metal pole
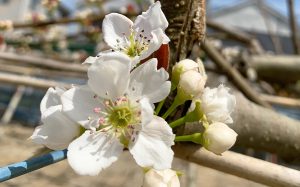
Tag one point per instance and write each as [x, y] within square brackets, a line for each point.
[21, 168]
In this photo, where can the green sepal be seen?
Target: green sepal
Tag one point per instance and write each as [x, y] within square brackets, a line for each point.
[196, 114]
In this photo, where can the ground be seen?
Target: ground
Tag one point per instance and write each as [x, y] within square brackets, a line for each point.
[15, 147]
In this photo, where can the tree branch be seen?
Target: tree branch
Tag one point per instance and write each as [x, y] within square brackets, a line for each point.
[277, 67]
[240, 165]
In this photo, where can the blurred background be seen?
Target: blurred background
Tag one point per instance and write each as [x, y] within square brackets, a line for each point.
[44, 42]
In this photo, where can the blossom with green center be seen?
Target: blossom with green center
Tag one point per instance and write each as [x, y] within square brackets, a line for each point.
[116, 109]
[140, 39]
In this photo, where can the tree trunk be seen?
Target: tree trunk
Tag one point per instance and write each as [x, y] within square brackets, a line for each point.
[186, 25]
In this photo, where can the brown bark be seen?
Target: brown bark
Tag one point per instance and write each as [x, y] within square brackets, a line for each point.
[186, 25]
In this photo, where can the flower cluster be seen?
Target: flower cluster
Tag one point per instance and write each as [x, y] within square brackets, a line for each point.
[114, 110]
[212, 107]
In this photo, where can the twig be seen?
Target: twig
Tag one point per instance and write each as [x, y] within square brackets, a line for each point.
[293, 25]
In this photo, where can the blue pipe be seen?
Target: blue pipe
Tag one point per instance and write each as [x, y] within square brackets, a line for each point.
[21, 168]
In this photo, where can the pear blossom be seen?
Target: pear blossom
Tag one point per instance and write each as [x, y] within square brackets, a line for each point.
[57, 130]
[140, 39]
[162, 178]
[218, 138]
[116, 109]
[218, 104]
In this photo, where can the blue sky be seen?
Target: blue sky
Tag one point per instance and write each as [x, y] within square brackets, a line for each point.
[280, 5]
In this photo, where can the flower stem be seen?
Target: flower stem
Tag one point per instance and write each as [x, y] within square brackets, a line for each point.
[196, 138]
[170, 110]
[159, 106]
[177, 122]
[177, 101]
[185, 138]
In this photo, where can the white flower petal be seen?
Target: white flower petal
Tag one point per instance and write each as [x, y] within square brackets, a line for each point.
[152, 146]
[57, 130]
[92, 152]
[79, 103]
[115, 27]
[146, 110]
[90, 60]
[147, 81]
[218, 104]
[158, 38]
[109, 75]
[152, 19]
[51, 98]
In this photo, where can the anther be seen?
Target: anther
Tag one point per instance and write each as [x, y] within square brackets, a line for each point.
[97, 110]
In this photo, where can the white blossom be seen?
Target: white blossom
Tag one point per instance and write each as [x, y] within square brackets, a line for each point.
[57, 130]
[116, 108]
[218, 104]
[218, 138]
[140, 39]
[163, 178]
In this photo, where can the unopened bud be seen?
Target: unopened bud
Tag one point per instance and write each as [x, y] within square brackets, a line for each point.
[218, 138]
[181, 67]
[191, 83]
